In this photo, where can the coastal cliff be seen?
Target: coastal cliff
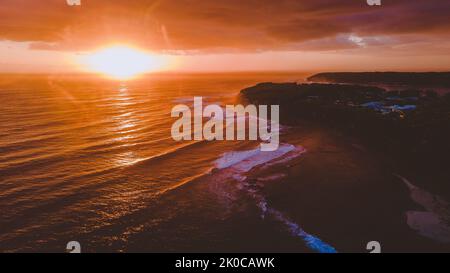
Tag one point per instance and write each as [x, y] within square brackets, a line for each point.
[410, 129]
[435, 79]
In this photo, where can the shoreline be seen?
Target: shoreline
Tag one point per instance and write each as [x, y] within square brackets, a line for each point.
[357, 200]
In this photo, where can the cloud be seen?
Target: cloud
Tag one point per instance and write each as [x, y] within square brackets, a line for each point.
[232, 25]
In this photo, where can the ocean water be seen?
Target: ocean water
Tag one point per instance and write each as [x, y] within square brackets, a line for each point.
[92, 160]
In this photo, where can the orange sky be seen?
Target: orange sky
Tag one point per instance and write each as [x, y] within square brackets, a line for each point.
[232, 35]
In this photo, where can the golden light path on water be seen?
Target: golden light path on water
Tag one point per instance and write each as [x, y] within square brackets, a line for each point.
[125, 125]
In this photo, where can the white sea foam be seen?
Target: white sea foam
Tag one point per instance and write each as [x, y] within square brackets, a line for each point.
[244, 161]
[239, 162]
[311, 241]
[272, 177]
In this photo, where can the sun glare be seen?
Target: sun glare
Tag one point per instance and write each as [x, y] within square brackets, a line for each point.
[122, 62]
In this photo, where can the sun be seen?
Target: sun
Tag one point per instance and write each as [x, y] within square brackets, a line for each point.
[122, 62]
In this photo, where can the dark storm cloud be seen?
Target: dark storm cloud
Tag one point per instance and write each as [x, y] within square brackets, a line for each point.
[218, 25]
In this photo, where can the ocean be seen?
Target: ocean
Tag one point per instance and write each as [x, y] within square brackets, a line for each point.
[92, 160]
